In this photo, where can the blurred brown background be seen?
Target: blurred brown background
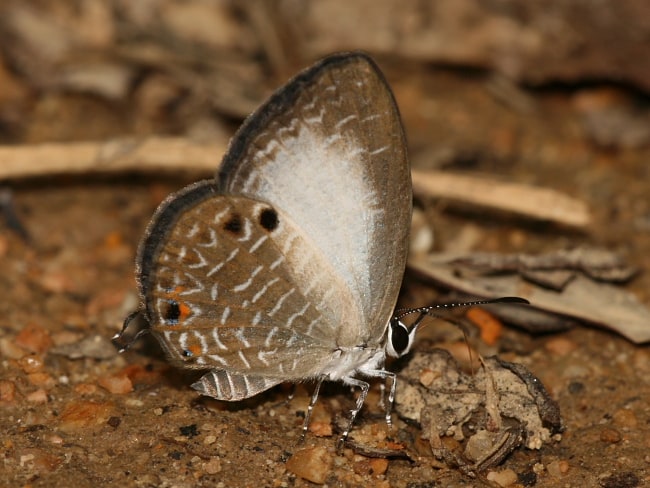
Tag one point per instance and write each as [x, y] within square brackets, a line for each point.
[552, 94]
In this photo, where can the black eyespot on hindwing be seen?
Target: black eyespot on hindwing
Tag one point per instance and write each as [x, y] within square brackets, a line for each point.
[234, 224]
[172, 312]
[269, 219]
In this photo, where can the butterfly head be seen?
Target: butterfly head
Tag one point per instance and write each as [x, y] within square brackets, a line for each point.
[400, 336]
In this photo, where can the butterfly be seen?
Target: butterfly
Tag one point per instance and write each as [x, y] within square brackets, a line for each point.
[287, 265]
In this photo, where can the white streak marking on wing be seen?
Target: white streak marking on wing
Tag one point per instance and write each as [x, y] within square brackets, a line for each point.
[267, 342]
[332, 139]
[257, 244]
[259, 294]
[353, 153]
[247, 283]
[344, 121]
[243, 360]
[182, 339]
[168, 335]
[296, 315]
[371, 117]
[193, 231]
[213, 239]
[181, 253]
[277, 262]
[292, 340]
[257, 318]
[310, 327]
[214, 292]
[220, 215]
[202, 340]
[217, 341]
[202, 262]
[219, 359]
[281, 301]
[247, 231]
[232, 387]
[240, 335]
[316, 119]
[224, 315]
[380, 150]
[220, 265]
[198, 285]
[261, 355]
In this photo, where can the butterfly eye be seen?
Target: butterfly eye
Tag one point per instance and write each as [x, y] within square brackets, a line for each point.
[399, 339]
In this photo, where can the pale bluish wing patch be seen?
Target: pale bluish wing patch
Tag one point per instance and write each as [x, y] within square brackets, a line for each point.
[331, 154]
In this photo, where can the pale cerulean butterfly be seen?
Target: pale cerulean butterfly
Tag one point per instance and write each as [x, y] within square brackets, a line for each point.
[286, 267]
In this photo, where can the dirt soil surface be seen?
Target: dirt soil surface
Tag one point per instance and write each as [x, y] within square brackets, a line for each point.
[74, 412]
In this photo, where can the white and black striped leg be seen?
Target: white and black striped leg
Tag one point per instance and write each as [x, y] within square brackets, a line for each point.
[363, 386]
[310, 408]
[391, 395]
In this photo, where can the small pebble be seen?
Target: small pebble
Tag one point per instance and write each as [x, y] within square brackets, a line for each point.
[38, 460]
[427, 376]
[7, 391]
[79, 416]
[41, 379]
[119, 384]
[55, 439]
[560, 346]
[321, 429]
[557, 468]
[370, 466]
[213, 466]
[34, 338]
[85, 389]
[56, 281]
[625, 418]
[312, 464]
[38, 396]
[611, 436]
[506, 477]
[8, 349]
[209, 439]
[31, 364]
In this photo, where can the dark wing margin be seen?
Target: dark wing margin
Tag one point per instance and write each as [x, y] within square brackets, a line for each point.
[282, 99]
[166, 215]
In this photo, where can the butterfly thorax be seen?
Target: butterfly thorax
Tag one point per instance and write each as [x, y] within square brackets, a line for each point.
[345, 362]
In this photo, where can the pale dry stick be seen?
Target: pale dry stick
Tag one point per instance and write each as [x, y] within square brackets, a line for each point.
[515, 198]
[178, 153]
[117, 155]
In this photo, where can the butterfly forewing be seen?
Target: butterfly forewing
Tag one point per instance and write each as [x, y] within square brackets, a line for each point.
[329, 151]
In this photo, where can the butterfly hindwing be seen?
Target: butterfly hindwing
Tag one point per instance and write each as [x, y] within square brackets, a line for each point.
[238, 287]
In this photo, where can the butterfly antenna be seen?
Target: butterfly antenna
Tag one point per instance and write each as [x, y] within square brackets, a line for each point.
[429, 310]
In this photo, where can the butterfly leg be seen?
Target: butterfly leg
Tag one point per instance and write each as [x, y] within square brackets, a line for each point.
[287, 401]
[363, 386]
[310, 408]
[388, 405]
